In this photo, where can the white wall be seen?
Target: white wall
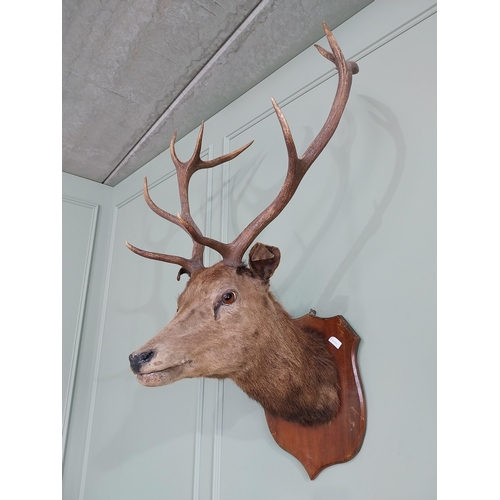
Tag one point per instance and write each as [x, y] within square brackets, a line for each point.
[358, 239]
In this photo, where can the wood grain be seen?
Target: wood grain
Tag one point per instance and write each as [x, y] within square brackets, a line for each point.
[341, 439]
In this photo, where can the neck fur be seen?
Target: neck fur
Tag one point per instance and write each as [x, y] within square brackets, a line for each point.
[292, 374]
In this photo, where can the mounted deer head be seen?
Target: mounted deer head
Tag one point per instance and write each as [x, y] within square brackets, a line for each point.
[228, 324]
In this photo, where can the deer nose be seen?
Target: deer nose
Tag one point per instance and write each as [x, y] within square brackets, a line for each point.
[140, 359]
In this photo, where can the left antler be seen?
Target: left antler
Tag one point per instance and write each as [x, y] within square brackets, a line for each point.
[232, 253]
[184, 172]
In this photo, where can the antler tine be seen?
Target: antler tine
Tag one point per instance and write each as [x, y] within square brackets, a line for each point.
[297, 167]
[195, 163]
[155, 208]
[232, 253]
[195, 158]
[345, 71]
[187, 265]
[183, 175]
[184, 220]
[184, 172]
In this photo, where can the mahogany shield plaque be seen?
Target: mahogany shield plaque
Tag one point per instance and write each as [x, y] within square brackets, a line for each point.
[341, 439]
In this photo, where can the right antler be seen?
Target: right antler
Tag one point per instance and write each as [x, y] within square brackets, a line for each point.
[232, 253]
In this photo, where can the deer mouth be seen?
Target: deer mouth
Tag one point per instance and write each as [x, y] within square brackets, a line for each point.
[163, 377]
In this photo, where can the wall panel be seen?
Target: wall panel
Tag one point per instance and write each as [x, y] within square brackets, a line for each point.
[79, 224]
[358, 239]
[86, 236]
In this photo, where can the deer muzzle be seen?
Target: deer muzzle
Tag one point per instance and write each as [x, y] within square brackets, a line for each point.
[148, 372]
[138, 360]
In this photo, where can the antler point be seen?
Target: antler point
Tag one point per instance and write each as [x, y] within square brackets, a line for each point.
[174, 137]
[233, 253]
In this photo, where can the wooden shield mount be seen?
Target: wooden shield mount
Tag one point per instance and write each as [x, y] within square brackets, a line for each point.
[341, 439]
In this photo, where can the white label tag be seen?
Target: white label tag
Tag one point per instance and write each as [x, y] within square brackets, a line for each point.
[335, 341]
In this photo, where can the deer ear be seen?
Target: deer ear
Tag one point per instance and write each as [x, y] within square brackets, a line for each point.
[182, 271]
[263, 260]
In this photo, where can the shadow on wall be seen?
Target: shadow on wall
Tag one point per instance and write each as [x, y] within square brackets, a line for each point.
[384, 117]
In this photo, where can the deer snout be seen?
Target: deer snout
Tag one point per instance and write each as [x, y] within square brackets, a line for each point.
[138, 360]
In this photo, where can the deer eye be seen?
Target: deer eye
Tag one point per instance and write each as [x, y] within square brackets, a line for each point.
[228, 297]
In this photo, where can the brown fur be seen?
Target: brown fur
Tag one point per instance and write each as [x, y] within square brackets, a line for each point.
[252, 341]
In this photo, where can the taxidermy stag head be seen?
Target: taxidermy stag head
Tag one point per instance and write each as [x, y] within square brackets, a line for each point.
[228, 323]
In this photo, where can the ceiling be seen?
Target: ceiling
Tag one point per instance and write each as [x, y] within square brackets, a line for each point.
[135, 71]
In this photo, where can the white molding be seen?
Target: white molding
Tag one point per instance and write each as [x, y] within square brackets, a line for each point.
[219, 394]
[209, 152]
[94, 208]
[97, 365]
[331, 73]
[198, 439]
[218, 430]
[414, 21]
[209, 194]
[226, 175]
[151, 185]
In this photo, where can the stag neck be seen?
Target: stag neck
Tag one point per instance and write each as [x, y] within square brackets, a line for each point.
[298, 380]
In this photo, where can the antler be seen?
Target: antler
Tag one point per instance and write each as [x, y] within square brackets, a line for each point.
[232, 253]
[184, 172]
